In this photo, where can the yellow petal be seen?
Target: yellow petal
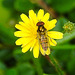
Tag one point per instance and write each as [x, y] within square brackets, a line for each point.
[24, 18]
[22, 23]
[22, 34]
[52, 42]
[24, 41]
[36, 50]
[40, 14]
[30, 27]
[32, 16]
[50, 24]
[45, 18]
[33, 43]
[26, 26]
[55, 35]
[48, 51]
[26, 47]
[20, 27]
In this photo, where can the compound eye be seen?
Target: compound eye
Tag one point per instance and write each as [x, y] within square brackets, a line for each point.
[40, 23]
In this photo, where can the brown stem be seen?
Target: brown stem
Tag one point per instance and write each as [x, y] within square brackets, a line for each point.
[47, 57]
[55, 64]
[49, 9]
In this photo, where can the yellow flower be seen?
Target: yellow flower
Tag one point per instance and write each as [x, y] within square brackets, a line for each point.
[28, 32]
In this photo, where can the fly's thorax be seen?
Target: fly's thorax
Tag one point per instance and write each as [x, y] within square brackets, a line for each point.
[41, 29]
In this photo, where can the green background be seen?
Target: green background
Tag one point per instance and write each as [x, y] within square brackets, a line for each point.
[13, 61]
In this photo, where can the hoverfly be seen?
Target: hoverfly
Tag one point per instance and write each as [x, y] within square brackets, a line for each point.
[42, 36]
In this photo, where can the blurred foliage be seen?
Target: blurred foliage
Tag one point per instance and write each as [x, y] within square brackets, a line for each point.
[20, 5]
[61, 6]
[13, 61]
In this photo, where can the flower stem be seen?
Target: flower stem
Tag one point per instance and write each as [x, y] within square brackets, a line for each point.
[38, 66]
[55, 64]
[47, 8]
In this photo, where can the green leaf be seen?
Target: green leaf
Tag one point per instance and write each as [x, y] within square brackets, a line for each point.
[60, 24]
[49, 74]
[62, 55]
[4, 13]
[8, 3]
[21, 57]
[2, 68]
[67, 37]
[71, 66]
[12, 71]
[23, 5]
[63, 6]
[71, 16]
[63, 47]
[7, 35]
[25, 69]
[48, 68]
[3, 54]
[37, 66]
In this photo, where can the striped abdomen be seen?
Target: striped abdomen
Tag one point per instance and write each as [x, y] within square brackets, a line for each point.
[44, 41]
